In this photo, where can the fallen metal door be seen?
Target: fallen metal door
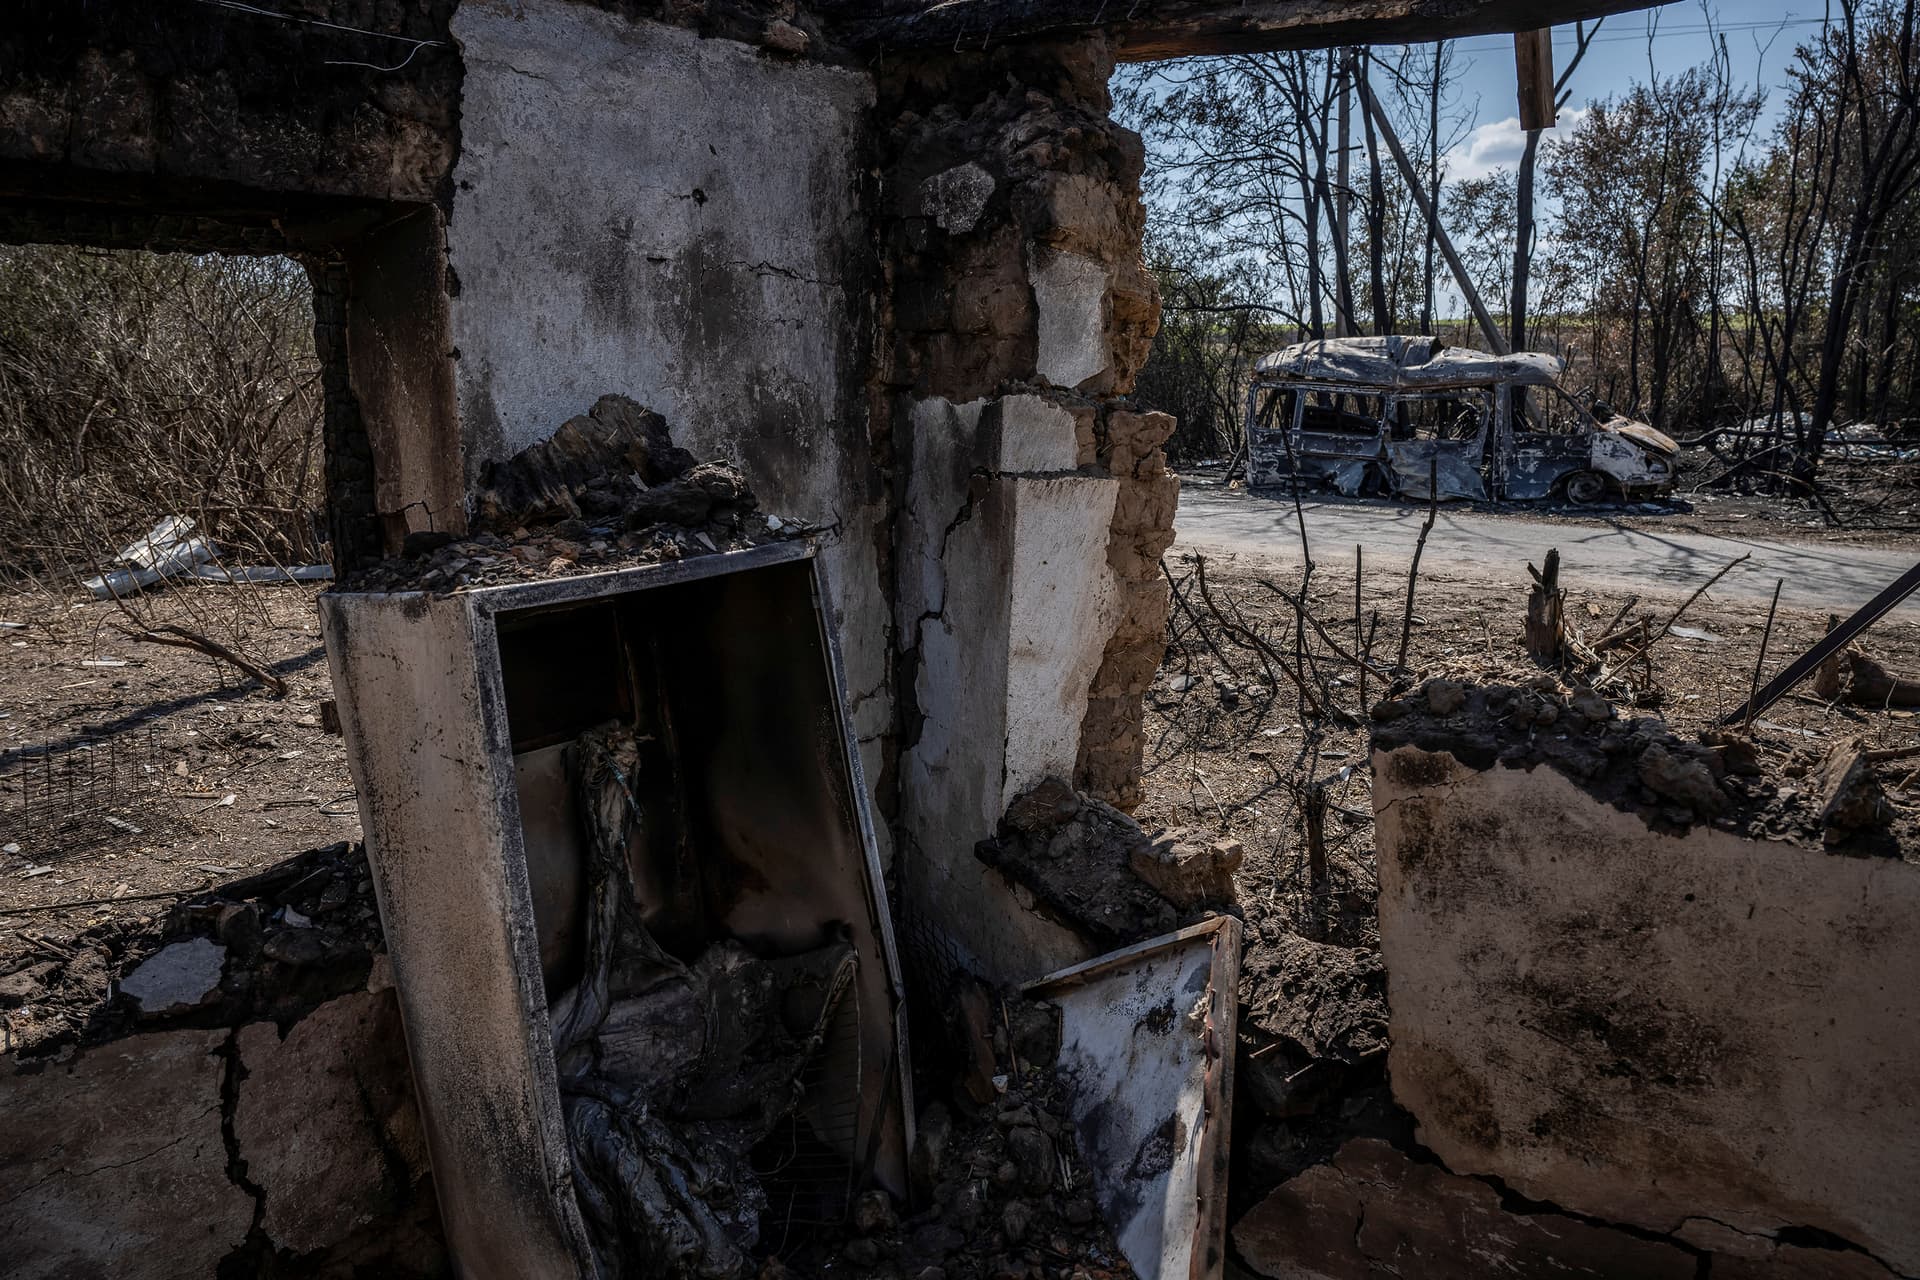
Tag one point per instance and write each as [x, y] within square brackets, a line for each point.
[1146, 1051]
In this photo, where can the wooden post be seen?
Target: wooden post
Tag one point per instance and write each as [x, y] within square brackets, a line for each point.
[1320, 883]
[1533, 68]
[1544, 605]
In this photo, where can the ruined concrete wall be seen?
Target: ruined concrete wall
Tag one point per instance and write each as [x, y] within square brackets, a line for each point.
[683, 221]
[1686, 1031]
[1032, 504]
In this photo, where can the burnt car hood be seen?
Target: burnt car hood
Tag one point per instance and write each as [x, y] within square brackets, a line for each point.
[1643, 435]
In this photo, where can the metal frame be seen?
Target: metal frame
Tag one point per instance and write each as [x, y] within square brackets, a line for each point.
[385, 640]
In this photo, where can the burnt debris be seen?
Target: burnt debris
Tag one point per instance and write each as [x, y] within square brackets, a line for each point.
[608, 490]
[670, 1073]
[1001, 1186]
[273, 945]
[1092, 867]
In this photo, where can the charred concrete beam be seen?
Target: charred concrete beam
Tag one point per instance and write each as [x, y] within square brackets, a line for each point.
[200, 103]
[1180, 28]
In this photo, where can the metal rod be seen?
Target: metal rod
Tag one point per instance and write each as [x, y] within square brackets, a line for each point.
[1831, 643]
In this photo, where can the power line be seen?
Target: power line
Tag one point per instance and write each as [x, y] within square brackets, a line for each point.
[1667, 33]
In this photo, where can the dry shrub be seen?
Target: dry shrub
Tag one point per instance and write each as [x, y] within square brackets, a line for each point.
[136, 385]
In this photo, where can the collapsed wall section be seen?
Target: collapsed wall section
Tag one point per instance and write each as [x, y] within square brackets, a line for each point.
[1033, 505]
[1640, 1009]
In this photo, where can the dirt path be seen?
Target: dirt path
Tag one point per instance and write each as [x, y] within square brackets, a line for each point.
[1597, 552]
[131, 769]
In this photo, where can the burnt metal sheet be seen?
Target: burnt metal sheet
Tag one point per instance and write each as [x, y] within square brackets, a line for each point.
[1539, 462]
[1401, 362]
[1146, 1055]
[1451, 466]
[1350, 476]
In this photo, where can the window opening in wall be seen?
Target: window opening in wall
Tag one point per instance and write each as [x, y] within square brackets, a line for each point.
[162, 718]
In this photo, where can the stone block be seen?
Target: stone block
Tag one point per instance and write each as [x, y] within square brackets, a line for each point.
[1190, 868]
[1070, 294]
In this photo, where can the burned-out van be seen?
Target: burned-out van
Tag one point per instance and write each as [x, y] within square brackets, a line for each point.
[1383, 415]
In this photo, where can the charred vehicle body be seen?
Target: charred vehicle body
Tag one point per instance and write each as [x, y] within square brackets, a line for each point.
[1396, 414]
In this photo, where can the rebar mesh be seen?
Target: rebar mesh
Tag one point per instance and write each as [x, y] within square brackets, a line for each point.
[80, 794]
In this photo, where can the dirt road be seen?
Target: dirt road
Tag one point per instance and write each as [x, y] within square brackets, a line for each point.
[1597, 553]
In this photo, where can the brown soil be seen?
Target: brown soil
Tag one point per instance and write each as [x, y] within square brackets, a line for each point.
[204, 774]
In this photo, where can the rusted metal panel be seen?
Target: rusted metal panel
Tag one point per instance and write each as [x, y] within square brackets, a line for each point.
[1146, 1050]
[1452, 466]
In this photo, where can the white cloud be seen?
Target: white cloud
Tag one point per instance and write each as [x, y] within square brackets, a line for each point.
[1500, 145]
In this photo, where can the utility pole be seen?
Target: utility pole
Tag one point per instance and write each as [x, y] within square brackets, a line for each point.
[1342, 202]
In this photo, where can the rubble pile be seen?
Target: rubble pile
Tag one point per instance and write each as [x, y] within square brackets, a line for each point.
[270, 946]
[1093, 866]
[608, 490]
[1003, 1190]
[1639, 765]
[1312, 1067]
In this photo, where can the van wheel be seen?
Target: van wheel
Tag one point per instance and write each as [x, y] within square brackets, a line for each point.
[1586, 487]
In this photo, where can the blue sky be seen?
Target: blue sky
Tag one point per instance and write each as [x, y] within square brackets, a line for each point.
[1760, 46]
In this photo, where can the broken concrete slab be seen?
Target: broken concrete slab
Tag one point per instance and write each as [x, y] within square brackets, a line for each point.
[178, 977]
[327, 1121]
[1146, 1061]
[1648, 1025]
[1372, 1211]
[107, 1154]
[1190, 868]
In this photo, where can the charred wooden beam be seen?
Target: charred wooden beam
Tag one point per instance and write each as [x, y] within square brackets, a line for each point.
[1150, 29]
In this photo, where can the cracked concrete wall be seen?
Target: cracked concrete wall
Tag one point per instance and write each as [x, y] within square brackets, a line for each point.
[168, 1152]
[1003, 576]
[1019, 313]
[1698, 1035]
[684, 221]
